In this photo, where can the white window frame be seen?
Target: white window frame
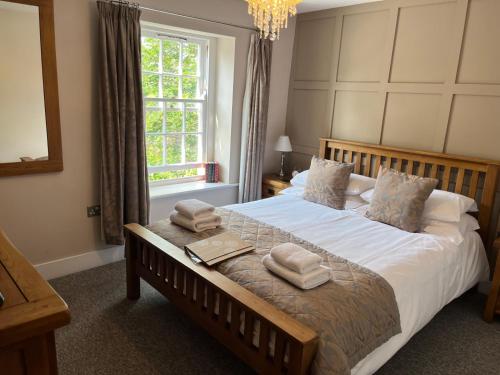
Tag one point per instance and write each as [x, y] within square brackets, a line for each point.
[207, 57]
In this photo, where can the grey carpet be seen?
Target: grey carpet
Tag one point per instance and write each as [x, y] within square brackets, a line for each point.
[111, 335]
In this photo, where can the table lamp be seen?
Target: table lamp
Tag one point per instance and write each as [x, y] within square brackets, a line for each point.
[283, 145]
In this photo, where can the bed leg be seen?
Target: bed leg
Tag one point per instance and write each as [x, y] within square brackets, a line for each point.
[133, 280]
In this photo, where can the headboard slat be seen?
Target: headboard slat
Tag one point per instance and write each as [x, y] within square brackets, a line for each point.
[474, 179]
[460, 181]
[411, 164]
[368, 166]
[357, 166]
[377, 165]
[399, 165]
[452, 171]
[434, 171]
[446, 178]
[421, 169]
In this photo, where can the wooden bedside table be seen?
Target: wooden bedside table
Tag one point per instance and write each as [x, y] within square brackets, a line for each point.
[493, 303]
[272, 185]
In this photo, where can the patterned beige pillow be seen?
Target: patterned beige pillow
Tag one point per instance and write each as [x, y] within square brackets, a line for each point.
[399, 199]
[327, 182]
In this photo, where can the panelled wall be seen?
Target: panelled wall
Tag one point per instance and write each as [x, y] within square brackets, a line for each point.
[421, 74]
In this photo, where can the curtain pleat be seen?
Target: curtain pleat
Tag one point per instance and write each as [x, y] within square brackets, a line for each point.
[254, 118]
[124, 177]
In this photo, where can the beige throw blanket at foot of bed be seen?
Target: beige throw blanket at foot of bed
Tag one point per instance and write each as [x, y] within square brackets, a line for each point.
[353, 313]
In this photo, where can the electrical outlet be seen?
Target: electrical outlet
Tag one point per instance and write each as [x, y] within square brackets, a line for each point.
[93, 211]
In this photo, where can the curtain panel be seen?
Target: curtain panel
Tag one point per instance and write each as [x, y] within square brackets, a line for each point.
[124, 177]
[254, 118]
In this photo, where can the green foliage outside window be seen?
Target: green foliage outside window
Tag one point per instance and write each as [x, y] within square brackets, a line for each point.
[159, 176]
[171, 71]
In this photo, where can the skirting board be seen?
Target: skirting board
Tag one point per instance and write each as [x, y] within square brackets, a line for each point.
[65, 266]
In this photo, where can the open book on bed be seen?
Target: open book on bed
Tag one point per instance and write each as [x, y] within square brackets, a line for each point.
[216, 249]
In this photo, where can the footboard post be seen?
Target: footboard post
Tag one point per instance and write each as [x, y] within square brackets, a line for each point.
[301, 356]
[133, 280]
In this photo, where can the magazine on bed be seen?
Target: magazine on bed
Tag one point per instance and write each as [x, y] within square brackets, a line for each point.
[216, 249]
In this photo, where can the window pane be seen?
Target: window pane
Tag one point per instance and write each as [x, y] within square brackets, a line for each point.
[190, 88]
[150, 85]
[150, 54]
[190, 59]
[154, 121]
[154, 150]
[193, 115]
[158, 176]
[170, 87]
[153, 104]
[174, 117]
[193, 147]
[171, 55]
[174, 149]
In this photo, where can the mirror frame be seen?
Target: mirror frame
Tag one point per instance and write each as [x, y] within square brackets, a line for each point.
[51, 97]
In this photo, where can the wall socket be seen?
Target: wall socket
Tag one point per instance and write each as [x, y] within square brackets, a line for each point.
[93, 211]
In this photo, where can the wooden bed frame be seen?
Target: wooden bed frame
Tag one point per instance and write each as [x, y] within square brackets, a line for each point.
[218, 304]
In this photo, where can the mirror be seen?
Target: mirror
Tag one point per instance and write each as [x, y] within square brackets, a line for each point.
[29, 109]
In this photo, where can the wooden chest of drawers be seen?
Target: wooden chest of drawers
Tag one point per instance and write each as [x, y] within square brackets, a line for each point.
[272, 185]
[31, 312]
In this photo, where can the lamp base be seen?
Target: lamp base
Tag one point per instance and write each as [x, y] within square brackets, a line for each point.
[281, 175]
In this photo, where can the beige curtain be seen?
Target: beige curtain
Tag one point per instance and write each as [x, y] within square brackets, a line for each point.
[254, 119]
[124, 178]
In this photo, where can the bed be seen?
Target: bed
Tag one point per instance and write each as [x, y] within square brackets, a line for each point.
[425, 272]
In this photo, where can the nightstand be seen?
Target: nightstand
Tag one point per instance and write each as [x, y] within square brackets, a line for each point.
[493, 303]
[272, 185]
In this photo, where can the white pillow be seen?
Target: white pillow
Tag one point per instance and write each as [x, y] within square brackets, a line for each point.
[300, 179]
[446, 206]
[297, 191]
[352, 202]
[455, 232]
[441, 205]
[357, 183]
[367, 195]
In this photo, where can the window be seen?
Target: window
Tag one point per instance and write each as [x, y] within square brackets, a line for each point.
[174, 80]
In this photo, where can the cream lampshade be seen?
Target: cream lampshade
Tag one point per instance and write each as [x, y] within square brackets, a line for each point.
[283, 144]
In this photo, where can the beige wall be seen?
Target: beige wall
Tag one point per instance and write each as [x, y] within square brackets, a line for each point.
[420, 74]
[22, 112]
[280, 74]
[45, 215]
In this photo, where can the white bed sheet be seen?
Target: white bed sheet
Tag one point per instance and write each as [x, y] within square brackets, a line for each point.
[425, 271]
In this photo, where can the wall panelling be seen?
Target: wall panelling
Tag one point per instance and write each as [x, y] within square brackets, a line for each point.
[420, 74]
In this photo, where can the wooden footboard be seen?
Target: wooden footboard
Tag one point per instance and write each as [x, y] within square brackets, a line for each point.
[264, 337]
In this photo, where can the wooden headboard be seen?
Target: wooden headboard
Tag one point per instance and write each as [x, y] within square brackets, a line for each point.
[472, 177]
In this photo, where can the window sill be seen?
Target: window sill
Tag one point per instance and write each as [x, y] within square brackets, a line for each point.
[165, 191]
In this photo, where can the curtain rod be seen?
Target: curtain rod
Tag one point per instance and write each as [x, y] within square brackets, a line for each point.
[122, 2]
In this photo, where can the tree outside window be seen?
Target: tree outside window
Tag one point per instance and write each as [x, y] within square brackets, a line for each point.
[174, 89]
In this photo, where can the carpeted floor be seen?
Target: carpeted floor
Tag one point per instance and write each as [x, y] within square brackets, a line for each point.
[111, 335]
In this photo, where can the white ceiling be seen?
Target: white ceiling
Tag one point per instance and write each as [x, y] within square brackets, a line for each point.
[312, 5]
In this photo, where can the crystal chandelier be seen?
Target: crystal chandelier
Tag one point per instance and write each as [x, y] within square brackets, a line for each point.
[269, 16]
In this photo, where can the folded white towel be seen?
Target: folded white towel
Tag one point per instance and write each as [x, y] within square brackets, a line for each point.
[295, 258]
[304, 281]
[199, 224]
[194, 208]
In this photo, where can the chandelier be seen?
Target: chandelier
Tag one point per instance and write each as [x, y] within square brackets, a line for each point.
[270, 16]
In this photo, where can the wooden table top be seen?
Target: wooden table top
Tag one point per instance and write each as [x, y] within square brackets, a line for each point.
[31, 306]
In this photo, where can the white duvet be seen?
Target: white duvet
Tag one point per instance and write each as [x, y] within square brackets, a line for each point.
[425, 271]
